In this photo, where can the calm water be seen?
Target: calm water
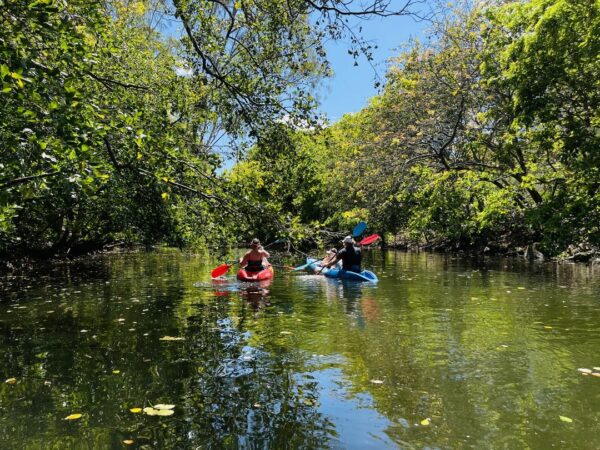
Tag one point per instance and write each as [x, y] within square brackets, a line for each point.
[443, 353]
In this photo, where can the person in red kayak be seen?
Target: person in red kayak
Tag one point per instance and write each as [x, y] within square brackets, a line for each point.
[255, 259]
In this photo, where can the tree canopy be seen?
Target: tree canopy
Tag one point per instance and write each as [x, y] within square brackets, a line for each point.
[117, 114]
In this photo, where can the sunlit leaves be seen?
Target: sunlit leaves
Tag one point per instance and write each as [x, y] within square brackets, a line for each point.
[159, 410]
[74, 416]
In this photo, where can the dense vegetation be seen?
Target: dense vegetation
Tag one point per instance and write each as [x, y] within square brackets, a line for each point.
[485, 136]
[114, 121]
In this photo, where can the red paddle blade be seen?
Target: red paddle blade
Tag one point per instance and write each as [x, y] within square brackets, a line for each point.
[218, 271]
[369, 239]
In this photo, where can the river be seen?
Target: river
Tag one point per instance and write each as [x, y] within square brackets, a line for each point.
[444, 352]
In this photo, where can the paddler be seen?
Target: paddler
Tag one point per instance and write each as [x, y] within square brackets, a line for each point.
[350, 256]
[255, 259]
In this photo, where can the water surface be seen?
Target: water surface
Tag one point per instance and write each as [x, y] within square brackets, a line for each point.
[443, 353]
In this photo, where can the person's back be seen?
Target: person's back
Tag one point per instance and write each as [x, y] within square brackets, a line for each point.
[351, 258]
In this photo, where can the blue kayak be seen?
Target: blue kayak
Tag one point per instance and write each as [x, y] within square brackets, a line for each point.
[365, 275]
[312, 265]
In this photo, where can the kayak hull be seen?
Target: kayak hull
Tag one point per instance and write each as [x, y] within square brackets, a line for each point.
[265, 274]
[365, 275]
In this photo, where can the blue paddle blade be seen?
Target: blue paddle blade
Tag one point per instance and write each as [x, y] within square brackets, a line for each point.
[359, 229]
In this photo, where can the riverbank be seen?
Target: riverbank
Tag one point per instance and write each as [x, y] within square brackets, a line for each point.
[582, 253]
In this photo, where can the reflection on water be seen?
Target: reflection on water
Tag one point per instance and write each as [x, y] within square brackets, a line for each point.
[443, 353]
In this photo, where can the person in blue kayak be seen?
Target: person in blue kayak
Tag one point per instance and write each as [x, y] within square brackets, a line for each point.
[255, 259]
[350, 256]
[330, 256]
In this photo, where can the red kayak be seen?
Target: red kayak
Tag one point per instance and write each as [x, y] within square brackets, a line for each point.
[265, 274]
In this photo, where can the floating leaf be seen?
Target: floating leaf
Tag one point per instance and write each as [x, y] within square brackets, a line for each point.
[377, 381]
[172, 338]
[596, 374]
[425, 422]
[128, 441]
[116, 372]
[566, 419]
[136, 410]
[596, 368]
[73, 416]
[547, 327]
[161, 406]
[285, 332]
[11, 381]
[158, 412]
[583, 370]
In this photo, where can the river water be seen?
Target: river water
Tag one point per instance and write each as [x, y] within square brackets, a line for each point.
[442, 353]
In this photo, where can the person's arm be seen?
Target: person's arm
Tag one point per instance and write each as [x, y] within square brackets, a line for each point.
[244, 259]
[334, 261]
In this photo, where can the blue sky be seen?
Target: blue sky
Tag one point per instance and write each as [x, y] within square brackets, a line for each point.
[351, 86]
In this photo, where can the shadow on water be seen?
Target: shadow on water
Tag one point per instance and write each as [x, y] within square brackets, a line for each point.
[443, 352]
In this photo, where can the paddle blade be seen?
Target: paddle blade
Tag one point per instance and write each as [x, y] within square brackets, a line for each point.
[369, 239]
[359, 229]
[221, 270]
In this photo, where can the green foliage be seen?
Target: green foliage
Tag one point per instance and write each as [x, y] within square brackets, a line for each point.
[486, 136]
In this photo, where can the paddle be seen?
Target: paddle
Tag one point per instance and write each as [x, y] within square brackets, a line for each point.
[220, 270]
[359, 229]
[369, 239]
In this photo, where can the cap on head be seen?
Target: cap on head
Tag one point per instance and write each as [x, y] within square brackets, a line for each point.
[255, 242]
[333, 251]
[348, 240]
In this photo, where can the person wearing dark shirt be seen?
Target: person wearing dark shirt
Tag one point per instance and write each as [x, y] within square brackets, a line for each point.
[350, 256]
